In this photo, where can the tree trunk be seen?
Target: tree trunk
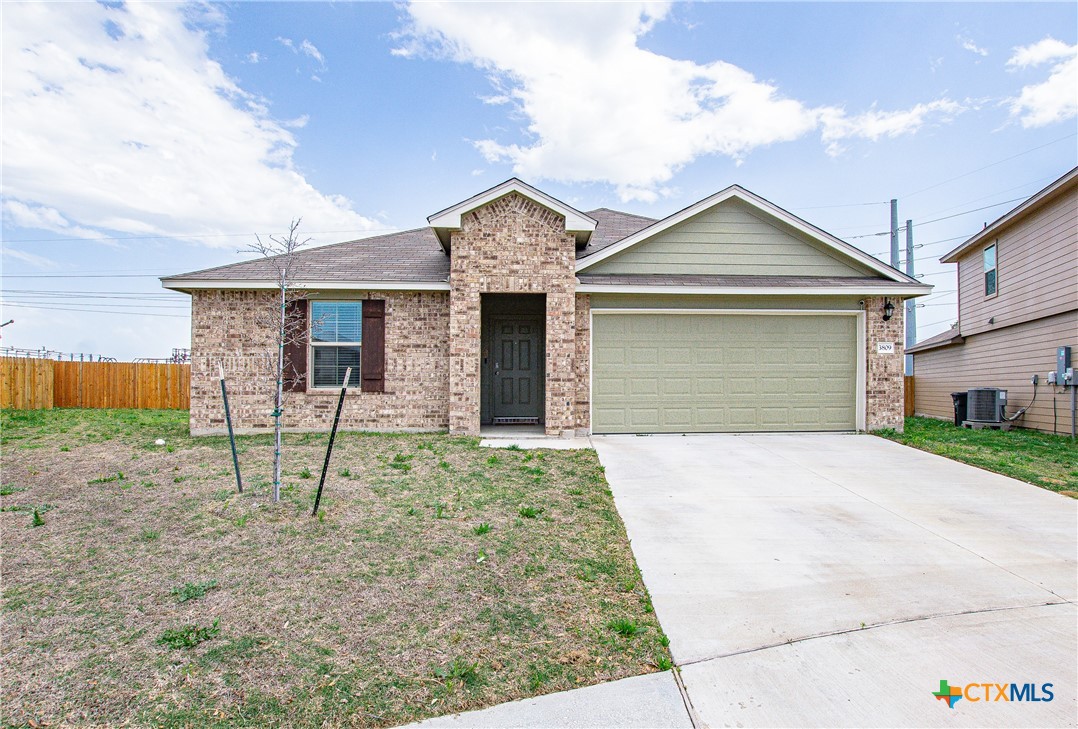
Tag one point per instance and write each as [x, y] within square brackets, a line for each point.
[279, 400]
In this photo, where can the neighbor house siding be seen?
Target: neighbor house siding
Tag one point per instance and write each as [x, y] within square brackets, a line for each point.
[226, 332]
[729, 239]
[1036, 270]
[1005, 358]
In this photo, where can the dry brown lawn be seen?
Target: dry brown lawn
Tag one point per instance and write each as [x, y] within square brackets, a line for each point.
[395, 604]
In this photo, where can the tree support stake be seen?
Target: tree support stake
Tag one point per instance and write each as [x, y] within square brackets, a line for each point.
[332, 435]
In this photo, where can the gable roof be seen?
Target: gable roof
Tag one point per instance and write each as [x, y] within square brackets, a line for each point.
[768, 208]
[1030, 206]
[449, 219]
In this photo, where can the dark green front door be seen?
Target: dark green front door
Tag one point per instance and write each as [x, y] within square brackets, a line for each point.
[517, 369]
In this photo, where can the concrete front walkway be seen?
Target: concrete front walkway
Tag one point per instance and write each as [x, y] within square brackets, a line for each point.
[835, 580]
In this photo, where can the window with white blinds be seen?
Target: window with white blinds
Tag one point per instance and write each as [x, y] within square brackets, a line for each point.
[336, 341]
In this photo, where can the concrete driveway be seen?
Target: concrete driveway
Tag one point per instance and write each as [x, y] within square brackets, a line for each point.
[835, 580]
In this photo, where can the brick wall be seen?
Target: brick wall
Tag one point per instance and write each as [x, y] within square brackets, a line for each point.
[512, 245]
[223, 331]
[884, 383]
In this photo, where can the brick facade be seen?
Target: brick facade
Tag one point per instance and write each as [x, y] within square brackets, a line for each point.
[512, 245]
[884, 373]
[223, 332]
[433, 340]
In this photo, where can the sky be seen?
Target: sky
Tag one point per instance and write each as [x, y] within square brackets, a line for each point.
[142, 140]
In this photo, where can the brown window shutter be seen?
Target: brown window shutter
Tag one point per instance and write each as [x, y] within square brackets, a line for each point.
[374, 345]
[295, 348]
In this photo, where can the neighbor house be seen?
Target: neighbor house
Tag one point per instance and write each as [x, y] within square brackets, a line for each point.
[512, 307]
[1017, 303]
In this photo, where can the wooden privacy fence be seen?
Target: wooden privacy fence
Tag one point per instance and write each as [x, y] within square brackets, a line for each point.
[911, 390]
[33, 384]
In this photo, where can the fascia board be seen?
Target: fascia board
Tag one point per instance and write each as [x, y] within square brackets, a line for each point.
[904, 291]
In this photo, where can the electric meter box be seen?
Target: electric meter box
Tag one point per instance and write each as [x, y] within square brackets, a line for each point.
[1063, 363]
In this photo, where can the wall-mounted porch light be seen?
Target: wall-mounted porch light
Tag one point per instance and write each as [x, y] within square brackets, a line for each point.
[888, 310]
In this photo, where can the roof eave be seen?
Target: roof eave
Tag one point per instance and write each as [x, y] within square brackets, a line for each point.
[927, 347]
[189, 285]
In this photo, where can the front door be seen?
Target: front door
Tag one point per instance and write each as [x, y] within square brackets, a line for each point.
[517, 370]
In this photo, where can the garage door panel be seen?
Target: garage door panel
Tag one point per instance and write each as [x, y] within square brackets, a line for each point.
[723, 372]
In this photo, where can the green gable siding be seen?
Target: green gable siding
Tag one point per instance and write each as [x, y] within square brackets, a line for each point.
[730, 238]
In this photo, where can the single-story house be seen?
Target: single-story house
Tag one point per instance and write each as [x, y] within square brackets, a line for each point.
[1017, 305]
[511, 307]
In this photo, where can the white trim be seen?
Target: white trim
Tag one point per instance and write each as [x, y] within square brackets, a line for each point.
[912, 290]
[183, 284]
[739, 193]
[861, 366]
[862, 370]
[784, 312]
[575, 221]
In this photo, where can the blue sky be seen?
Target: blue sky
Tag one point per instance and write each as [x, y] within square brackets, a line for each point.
[143, 140]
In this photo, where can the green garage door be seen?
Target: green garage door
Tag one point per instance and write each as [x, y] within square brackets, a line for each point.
[699, 373]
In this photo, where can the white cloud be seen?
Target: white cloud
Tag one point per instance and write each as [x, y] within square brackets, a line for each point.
[1054, 99]
[968, 44]
[40, 217]
[287, 43]
[31, 258]
[1043, 51]
[309, 49]
[116, 118]
[601, 108]
[254, 57]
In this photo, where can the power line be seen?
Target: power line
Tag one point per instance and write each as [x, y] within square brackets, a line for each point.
[936, 220]
[85, 311]
[132, 305]
[975, 210]
[170, 294]
[79, 275]
[847, 205]
[26, 293]
[993, 164]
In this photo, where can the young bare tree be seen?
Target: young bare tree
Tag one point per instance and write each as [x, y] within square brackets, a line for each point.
[288, 329]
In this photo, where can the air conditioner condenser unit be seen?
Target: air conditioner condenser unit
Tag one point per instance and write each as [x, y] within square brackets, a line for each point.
[986, 404]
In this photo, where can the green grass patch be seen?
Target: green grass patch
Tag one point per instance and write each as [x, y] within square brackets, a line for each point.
[422, 552]
[192, 590]
[1045, 460]
[188, 636]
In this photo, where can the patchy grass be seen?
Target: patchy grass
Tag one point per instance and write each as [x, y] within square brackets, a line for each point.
[1045, 460]
[423, 589]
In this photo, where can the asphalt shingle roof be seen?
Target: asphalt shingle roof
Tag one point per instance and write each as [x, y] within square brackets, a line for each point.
[612, 227]
[411, 255]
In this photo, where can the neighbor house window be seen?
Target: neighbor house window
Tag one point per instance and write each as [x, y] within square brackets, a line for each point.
[990, 270]
[336, 341]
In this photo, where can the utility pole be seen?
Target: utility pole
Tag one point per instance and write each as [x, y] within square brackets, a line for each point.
[911, 304]
[894, 233]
